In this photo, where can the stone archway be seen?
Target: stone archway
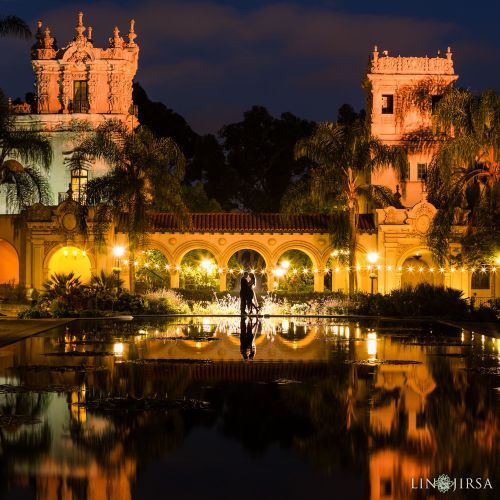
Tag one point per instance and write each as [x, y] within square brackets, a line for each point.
[199, 270]
[295, 272]
[9, 270]
[246, 259]
[70, 259]
[418, 267]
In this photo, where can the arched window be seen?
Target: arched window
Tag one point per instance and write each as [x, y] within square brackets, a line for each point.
[79, 179]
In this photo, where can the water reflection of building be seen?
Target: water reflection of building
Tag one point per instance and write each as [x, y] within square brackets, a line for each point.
[402, 443]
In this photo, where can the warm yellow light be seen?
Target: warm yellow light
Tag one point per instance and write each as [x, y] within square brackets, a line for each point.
[280, 272]
[483, 269]
[118, 349]
[220, 270]
[285, 264]
[84, 253]
[118, 251]
[75, 253]
[206, 264]
[372, 257]
[285, 325]
[334, 253]
[372, 344]
[65, 253]
[497, 259]
[389, 268]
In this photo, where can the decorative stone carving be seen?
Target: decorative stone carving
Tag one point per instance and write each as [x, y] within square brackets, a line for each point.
[42, 91]
[392, 215]
[92, 88]
[271, 242]
[412, 65]
[66, 94]
[39, 212]
[420, 216]
[222, 241]
[131, 34]
[79, 60]
[116, 97]
[116, 41]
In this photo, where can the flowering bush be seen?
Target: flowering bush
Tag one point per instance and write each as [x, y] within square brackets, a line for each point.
[166, 301]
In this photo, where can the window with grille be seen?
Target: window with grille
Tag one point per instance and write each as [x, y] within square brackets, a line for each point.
[80, 97]
[421, 171]
[480, 280]
[387, 104]
[79, 178]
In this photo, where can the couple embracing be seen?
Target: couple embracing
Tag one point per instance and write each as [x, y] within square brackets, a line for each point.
[248, 298]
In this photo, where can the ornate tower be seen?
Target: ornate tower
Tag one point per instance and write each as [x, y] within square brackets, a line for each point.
[387, 82]
[81, 78]
[77, 88]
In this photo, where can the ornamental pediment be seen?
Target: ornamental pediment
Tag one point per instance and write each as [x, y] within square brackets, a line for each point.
[421, 215]
[79, 52]
[39, 212]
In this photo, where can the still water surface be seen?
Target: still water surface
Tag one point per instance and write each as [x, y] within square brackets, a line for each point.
[213, 408]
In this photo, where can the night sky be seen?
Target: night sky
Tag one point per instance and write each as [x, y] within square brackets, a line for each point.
[211, 60]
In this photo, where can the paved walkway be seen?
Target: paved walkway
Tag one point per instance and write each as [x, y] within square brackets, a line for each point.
[13, 330]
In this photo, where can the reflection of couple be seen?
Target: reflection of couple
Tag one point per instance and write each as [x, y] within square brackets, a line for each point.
[248, 299]
[249, 331]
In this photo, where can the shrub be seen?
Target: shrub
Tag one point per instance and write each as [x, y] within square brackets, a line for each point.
[167, 301]
[13, 293]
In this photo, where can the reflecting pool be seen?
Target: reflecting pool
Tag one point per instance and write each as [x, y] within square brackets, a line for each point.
[202, 408]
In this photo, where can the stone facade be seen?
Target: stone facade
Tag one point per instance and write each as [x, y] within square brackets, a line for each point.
[49, 239]
[77, 88]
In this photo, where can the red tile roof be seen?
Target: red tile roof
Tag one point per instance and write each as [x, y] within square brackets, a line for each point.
[223, 222]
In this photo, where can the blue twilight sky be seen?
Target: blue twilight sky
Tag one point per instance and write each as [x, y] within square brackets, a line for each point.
[210, 60]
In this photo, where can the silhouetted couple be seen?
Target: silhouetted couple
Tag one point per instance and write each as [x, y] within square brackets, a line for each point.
[248, 299]
[248, 332]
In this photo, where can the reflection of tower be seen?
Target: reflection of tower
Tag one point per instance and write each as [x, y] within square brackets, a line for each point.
[401, 415]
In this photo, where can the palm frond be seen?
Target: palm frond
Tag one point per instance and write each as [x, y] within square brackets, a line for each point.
[14, 26]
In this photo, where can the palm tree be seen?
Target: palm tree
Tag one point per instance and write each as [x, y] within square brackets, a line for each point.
[344, 156]
[14, 26]
[145, 175]
[25, 185]
[464, 172]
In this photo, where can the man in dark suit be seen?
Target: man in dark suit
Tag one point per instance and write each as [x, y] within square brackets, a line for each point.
[245, 292]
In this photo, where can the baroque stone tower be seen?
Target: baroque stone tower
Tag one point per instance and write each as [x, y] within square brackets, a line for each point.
[81, 78]
[77, 88]
[388, 79]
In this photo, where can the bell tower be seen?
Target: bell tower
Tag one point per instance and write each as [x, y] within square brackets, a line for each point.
[387, 81]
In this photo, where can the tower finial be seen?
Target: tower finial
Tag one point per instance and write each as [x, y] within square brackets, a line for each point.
[131, 34]
[116, 41]
[80, 28]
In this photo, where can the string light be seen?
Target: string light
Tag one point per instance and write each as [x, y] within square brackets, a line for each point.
[281, 271]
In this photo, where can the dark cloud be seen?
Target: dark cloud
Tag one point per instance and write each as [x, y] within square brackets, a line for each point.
[210, 60]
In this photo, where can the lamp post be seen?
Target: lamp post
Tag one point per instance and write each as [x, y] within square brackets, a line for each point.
[372, 258]
[118, 252]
